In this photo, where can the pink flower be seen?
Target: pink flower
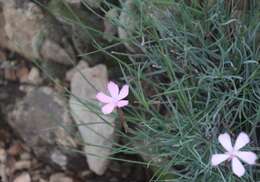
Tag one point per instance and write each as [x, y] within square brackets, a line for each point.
[233, 154]
[116, 98]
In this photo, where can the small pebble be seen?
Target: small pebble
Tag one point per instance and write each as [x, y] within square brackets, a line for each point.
[25, 177]
[20, 165]
[15, 149]
[86, 173]
[2, 155]
[60, 177]
[34, 76]
[25, 156]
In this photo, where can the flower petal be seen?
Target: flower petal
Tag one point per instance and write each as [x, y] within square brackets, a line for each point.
[123, 92]
[237, 167]
[241, 141]
[108, 108]
[225, 141]
[122, 103]
[218, 158]
[103, 98]
[248, 157]
[113, 89]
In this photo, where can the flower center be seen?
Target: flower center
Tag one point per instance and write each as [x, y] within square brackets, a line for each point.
[232, 154]
[115, 101]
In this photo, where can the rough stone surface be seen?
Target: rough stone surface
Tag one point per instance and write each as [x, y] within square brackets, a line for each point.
[53, 52]
[96, 133]
[25, 177]
[3, 157]
[34, 76]
[60, 177]
[128, 20]
[44, 124]
[110, 29]
[80, 66]
[23, 29]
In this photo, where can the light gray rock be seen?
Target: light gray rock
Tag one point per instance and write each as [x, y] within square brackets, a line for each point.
[60, 177]
[3, 157]
[97, 134]
[80, 66]
[110, 29]
[34, 77]
[25, 177]
[51, 51]
[43, 122]
[24, 29]
[128, 23]
[22, 165]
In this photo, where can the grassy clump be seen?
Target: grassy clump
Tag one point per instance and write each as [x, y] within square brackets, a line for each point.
[197, 76]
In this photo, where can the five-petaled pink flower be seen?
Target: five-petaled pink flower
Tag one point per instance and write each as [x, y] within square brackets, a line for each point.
[116, 98]
[233, 154]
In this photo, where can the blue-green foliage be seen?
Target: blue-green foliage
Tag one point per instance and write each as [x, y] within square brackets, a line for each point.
[197, 76]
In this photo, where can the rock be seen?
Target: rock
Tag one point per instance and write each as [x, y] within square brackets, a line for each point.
[25, 156]
[3, 175]
[25, 177]
[42, 180]
[80, 66]
[60, 177]
[9, 74]
[22, 165]
[15, 72]
[59, 158]
[15, 149]
[22, 74]
[128, 23]
[86, 173]
[53, 52]
[26, 88]
[2, 55]
[43, 115]
[3, 155]
[24, 29]
[34, 76]
[110, 28]
[96, 133]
